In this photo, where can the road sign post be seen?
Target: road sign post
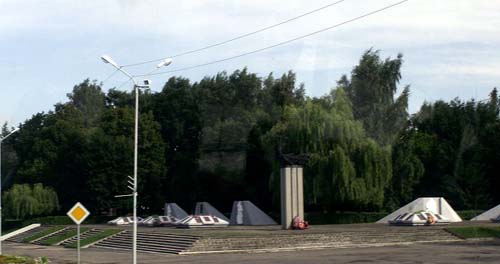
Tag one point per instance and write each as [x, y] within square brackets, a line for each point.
[78, 213]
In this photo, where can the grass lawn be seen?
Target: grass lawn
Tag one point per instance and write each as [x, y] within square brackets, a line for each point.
[43, 233]
[91, 239]
[475, 232]
[63, 236]
[23, 260]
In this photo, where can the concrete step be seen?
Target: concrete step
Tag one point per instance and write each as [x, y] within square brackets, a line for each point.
[343, 239]
[156, 240]
[152, 243]
[83, 235]
[144, 246]
[157, 235]
[149, 242]
[145, 250]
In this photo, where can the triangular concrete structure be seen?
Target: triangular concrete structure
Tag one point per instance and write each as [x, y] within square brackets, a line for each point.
[437, 205]
[201, 221]
[246, 213]
[204, 208]
[420, 218]
[492, 214]
[173, 210]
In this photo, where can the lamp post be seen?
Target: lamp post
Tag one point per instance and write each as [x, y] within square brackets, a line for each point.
[1, 141]
[109, 60]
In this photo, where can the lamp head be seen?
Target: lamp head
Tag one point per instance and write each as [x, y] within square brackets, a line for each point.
[108, 59]
[164, 62]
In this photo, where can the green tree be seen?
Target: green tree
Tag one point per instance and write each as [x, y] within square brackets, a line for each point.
[346, 168]
[371, 88]
[258, 167]
[407, 169]
[455, 142]
[23, 200]
[177, 111]
[110, 159]
[89, 99]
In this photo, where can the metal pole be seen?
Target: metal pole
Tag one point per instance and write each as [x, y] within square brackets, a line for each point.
[165, 62]
[1, 140]
[136, 141]
[78, 242]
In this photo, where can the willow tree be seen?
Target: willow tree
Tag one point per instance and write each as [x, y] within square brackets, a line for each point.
[346, 168]
[24, 200]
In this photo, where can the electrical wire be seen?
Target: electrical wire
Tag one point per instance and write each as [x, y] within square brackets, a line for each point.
[239, 37]
[109, 76]
[130, 79]
[121, 85]
[281, 43]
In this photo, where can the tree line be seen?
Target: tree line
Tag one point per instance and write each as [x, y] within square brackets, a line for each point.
[218, 140]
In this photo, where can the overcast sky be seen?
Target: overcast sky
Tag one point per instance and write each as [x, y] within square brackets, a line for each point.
[450, 47]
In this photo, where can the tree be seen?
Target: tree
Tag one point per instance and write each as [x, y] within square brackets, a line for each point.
[219, 139]
[407, 169]
[346, 168]
[227, 118]
[9, 157]
[89, 99]
[24, 200]
[456, 143]
[258, 167]
[371, 88]
[284, 91]
[152, 169]
[109, 158]
[177, 111]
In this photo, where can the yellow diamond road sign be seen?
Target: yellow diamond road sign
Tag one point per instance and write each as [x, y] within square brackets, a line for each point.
[78, 213]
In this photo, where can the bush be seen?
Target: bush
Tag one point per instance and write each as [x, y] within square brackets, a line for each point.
[469, 214]
[22, 260]
[318, 218]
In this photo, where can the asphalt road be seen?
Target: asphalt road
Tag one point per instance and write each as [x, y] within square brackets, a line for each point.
[459, 252]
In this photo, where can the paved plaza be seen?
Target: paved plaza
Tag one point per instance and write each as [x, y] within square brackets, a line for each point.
[457, 252]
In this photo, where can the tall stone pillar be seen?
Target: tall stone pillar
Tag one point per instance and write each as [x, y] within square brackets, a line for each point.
[292, 194]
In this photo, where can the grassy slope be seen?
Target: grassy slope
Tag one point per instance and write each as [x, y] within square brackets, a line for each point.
[475, 232]
[43, 233]
[63, 236]
[91, 239]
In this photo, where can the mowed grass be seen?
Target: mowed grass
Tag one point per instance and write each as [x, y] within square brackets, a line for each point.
[42, 233]
[62, 236]
[92, 239]
[475, 232]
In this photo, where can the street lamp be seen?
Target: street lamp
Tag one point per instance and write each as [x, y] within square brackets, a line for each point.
[1, 141]
[107, 59]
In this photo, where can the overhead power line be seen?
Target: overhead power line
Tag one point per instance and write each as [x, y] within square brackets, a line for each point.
[281, 43]
[109, 76]
[239, 37]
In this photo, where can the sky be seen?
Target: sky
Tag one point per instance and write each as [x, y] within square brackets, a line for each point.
[450, 47]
